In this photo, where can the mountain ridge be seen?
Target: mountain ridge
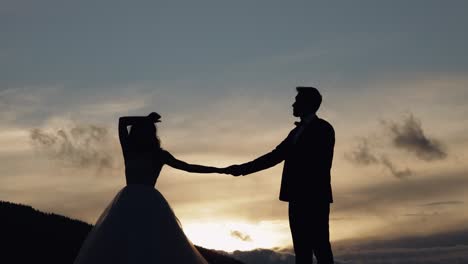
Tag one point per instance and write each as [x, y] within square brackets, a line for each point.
[29, 235]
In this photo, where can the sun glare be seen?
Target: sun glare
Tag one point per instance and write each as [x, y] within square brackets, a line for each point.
[231, 236]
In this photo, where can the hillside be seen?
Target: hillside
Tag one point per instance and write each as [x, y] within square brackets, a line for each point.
[31, 236]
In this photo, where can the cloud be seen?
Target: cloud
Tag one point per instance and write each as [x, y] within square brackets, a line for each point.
[25, 105]
[444, 247]
[82, 146]
[429, 255]
[375, 198]
[447, 238]
[241, 236]
[407, 135]
[391, 255]
[443, 203]
[422, 215]
[395, 172]
[410, 136]
[362, 155]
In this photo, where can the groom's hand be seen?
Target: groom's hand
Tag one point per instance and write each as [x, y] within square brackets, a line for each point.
[235, 170]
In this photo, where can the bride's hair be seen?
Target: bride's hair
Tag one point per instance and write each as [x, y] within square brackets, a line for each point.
[143, 137]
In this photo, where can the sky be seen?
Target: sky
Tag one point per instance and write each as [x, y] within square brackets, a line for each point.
[222, 74]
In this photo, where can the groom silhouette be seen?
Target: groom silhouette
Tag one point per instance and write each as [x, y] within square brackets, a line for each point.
[307, 153]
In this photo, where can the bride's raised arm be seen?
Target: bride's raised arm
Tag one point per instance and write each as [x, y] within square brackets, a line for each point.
[126, 121]
[182, 165]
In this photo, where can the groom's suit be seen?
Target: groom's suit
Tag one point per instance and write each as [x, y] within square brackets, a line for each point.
[307, 153]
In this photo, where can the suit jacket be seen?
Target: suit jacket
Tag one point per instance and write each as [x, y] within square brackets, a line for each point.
[307, 163]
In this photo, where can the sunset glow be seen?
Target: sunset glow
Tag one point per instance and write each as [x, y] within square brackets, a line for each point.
[222, 74]
[237, 235]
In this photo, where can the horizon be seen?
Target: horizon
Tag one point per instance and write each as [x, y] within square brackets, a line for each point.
[346, 252]
[393, 77]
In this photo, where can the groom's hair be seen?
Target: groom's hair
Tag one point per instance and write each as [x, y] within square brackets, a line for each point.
[311, 95]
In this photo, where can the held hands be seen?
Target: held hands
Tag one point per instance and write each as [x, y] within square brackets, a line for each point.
[234, 170]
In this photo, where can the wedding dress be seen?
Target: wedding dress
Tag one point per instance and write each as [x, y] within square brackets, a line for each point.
[139, 226]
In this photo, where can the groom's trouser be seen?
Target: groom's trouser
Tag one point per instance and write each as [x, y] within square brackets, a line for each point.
[310, 234]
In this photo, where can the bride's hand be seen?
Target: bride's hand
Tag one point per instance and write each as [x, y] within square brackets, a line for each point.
[154, 117]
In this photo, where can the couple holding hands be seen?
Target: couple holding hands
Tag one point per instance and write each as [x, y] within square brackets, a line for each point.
[139, 226]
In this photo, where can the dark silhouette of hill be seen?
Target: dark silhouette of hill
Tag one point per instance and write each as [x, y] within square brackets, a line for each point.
[31, 236]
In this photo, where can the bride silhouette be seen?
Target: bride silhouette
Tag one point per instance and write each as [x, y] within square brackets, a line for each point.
[139, 226]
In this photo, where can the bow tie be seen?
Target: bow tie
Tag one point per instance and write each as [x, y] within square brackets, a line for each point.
[299, 123]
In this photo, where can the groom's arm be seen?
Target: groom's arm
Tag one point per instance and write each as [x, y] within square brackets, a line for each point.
[263, 162]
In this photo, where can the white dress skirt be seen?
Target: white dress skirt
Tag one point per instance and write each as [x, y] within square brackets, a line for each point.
[139, 227]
